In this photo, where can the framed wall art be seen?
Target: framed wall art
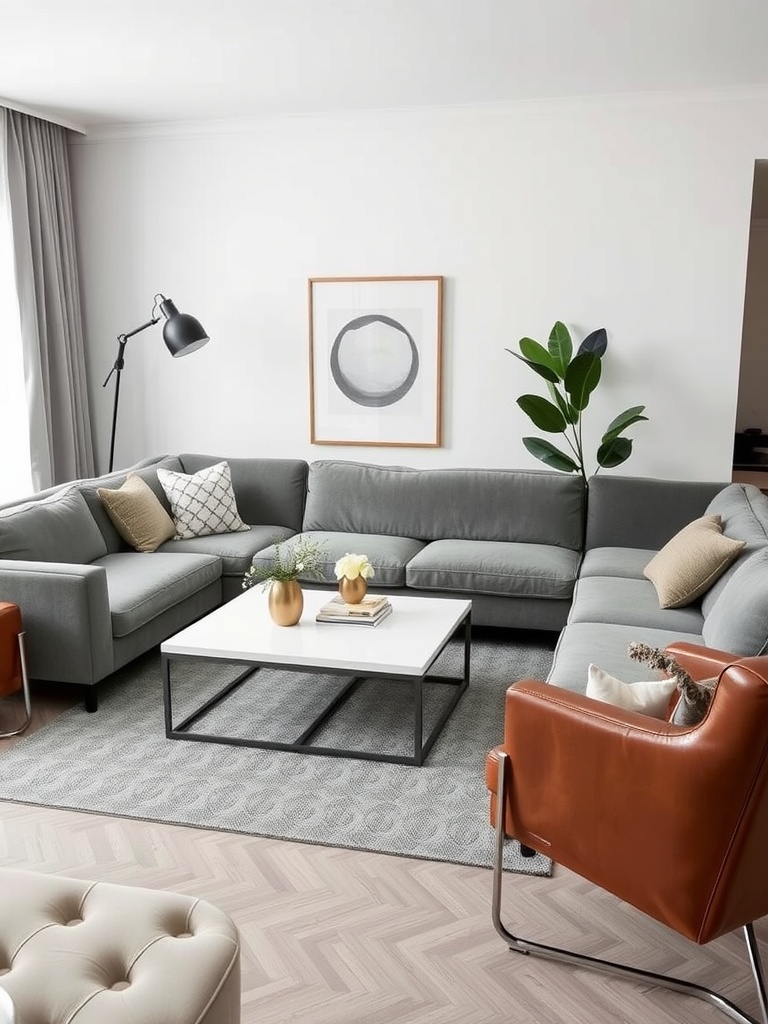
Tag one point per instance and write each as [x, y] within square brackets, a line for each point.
[375, 357]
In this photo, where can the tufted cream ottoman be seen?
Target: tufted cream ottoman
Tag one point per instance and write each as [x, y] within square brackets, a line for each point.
[74, 952]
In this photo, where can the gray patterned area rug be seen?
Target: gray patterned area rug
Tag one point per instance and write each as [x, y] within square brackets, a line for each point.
[119, 761]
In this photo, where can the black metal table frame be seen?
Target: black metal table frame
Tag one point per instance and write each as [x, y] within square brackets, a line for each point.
[302, 744]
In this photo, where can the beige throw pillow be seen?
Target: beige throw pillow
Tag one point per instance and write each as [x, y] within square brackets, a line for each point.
[137, 514]
[688, 565]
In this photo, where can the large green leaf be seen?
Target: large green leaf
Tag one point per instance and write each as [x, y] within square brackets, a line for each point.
[581, 379]
[536, 353]
[551, 456]
[623, 420]
[596, 342]
[560, 347]
[543, 371]
[612, 453]
[544, 414]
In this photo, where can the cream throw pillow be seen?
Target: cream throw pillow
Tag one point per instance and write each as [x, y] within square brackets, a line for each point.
[688, 565]
[651, 698]
[137, 514]
[202, 503]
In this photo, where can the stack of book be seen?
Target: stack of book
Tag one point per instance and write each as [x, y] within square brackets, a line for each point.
[369, 612]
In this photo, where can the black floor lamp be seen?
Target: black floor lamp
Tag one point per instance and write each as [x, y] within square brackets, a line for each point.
[182, 334]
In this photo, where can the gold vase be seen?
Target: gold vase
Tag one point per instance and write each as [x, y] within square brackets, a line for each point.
[353, 591]
[286, 602]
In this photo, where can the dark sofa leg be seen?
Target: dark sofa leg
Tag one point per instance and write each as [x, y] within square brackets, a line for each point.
[525, 851]
[91, 698]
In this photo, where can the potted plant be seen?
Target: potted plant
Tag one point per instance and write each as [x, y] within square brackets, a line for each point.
[353, 572]
[304, 558]
[571, 380]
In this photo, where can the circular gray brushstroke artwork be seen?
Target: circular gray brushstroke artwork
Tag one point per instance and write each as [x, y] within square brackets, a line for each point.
[374, 360]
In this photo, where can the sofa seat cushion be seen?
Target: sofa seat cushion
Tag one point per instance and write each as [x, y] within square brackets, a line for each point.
[143, 586]
[494, 567]
[388, 555]
[629, 563]
[629, 602]
[605, 644]
[236, 550]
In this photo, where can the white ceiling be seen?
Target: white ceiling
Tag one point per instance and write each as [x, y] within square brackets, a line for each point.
[104, 62]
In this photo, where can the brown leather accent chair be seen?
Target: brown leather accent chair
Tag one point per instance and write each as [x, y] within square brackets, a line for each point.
[671, 819]
[13, 667]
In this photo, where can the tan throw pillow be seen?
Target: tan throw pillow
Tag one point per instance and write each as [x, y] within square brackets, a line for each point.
[137, 514]
[688, 565]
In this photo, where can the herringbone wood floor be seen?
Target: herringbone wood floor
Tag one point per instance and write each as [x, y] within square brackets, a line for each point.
[334, 936]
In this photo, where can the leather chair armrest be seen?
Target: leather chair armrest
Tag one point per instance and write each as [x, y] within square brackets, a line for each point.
[701, 662]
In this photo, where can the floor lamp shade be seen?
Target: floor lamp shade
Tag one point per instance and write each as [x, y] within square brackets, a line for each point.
[182, 333]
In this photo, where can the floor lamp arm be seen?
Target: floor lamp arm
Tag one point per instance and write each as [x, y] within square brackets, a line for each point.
[117, 369]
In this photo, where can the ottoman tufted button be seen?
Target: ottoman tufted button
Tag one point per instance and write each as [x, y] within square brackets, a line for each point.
[120, 985]
[74, 921]
[184, 935]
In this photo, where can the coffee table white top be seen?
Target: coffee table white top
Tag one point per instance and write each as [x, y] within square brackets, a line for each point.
[402, 644]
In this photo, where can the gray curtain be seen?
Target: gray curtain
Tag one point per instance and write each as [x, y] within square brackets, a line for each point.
[49, 298]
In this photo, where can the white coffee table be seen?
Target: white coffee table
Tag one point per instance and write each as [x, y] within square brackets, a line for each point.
[403, 647]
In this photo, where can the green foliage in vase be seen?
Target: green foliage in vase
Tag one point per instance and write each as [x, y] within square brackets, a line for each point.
[571, 380]
[301, 558]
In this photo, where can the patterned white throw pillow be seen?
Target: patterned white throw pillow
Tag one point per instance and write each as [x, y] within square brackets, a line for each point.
[202, 503]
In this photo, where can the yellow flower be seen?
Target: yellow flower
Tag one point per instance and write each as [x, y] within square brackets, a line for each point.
[353, 566]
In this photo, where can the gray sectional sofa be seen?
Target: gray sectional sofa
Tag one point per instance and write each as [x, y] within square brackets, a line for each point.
[512, 540]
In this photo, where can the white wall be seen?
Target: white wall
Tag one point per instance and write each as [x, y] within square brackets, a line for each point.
[631, 214]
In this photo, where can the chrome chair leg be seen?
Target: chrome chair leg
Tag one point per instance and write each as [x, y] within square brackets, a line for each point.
[527, 947]
[25, 692]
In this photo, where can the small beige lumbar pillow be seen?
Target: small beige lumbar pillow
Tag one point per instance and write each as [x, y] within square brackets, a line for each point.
[137, 514]
[689, 564]
[648, 698]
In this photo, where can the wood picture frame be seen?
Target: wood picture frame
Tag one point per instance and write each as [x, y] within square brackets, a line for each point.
[375, 361]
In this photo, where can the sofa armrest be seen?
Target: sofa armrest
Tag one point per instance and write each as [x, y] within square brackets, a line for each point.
[66, 617]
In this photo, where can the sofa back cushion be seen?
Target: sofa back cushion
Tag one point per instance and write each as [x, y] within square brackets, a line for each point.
[269, 492]
[59, 528]
[743, 511]
[642, 512]
[738, 621]
[530, 506]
